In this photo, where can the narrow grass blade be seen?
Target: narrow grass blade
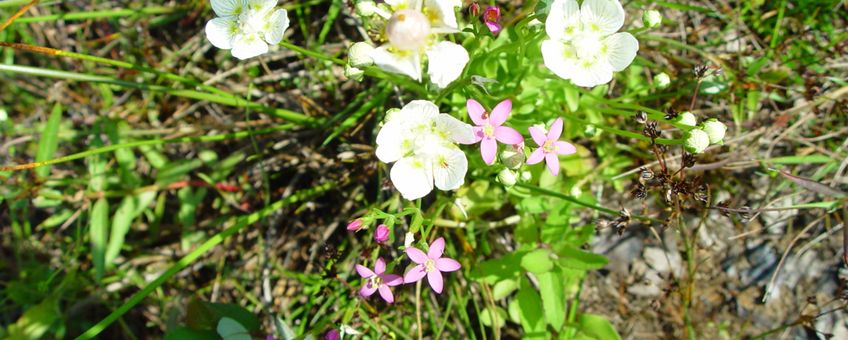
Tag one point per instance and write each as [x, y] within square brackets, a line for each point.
[49, 140]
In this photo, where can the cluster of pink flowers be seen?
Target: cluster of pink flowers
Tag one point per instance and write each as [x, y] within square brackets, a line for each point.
[430, 264]
[489, 130]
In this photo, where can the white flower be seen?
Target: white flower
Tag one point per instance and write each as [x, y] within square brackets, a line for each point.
[652, 18]
[584, 46]
[411, 29]
[422, 144]
[246, 26]
[662, 80]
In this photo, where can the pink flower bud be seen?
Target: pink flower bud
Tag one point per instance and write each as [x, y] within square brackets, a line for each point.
[474, 9]
[355, 225]
[492, 19]
[382, 233]
[332, 335]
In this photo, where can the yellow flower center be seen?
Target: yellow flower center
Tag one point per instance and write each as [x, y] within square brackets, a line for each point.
[550, 147]
[489, 130]
[429, 266]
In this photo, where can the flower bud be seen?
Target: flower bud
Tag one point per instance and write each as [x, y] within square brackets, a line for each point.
[696, 141]
[381, 234]
[590, 130]
[355, 225]
[366, 8]
[332, 335]
[687, 118]
[652, 18]
[662, 80]
[506, 177]
[715, 130]
[408, 239]
[474, 9]
[359, 54]
[513, 156]
[492, 19]
[354, 73]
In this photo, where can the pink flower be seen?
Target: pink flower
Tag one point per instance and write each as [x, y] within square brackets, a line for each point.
[332, 335]
[431, 264]
[492, 19]
[489, 128]
[550, 146]
[378, 280]
[381, 234]
[354, 225]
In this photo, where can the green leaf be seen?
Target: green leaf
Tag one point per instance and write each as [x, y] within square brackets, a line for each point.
[36, 321]
[553, 298]
[571, 257]
[496, 319]
[572, 98]
[97, 232]
[185, 333]
[537, 261]
[503, 288]
[596, 327]
[492, 271]
[202, 315]
[49, 140]
[530, 313]
[230, 329]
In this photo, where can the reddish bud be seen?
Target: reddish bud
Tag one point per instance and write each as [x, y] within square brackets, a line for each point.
[355, 225]
[381, 234]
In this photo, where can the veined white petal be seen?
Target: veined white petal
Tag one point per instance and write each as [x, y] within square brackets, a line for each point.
[602, 16]
[560, 58]
[442, 14]
[227, 8]
[455, 129]
[563, 20]
[390, 142]
[276, 26]
[248, 46]
[413, 177]
[262, 6]
[403, 62]
[418, 112]
[449, 168]
[591, 73]
[621, 49]
[220, 32]
[446, 62]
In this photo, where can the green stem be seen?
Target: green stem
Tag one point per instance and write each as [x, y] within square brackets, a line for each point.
[109, 148]
[311, 53]
[187, 260]
[100, 14]
[292, 116]
[579, 202]
[627, 134]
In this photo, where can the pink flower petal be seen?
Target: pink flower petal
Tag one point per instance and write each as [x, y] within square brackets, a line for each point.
[489, 149]
[553, 163]
[556, 130]
[538, 135]
[434, 278]
[508, 135]
[380, 266]
[447, 265]
[386, 294]
[416, 255]
[500, 113]
[478, 133]
[392, 279]
[437, 248]
[493, 27]
[537, 156]
[475, 111]
[414, 274]
[367, 290]
[565, 148]
[364, 272]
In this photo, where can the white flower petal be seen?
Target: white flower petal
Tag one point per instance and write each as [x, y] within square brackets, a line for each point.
[442, 14]
[220, 32]
[560, 58]
[621, 49]
[408, 63]
[413, 177]
[262, 6]
[390, 142]
[399, 4]
[277, 24]
[455, 129]
[563, 20]
[602, 16]
[418, 112]
[248, 46]
[590, 74]
[449, 168]
[226, 8]
[446, 62]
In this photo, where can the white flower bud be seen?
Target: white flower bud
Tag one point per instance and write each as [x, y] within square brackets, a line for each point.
[359, 54]
[408, 239]
[696, 141]
[506, 177]
[715, 130]
[687, 118]
[652, 18]
[526, 176]
[408, 30]
[354, 73]
[662, 80]
[366, 8]
[513, 156]
[3, 115]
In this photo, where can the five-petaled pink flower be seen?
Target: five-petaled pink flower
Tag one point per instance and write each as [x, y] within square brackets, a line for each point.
[378, 281]
[489, 128]
[492, 19]
[431, 264]
[550, 146]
